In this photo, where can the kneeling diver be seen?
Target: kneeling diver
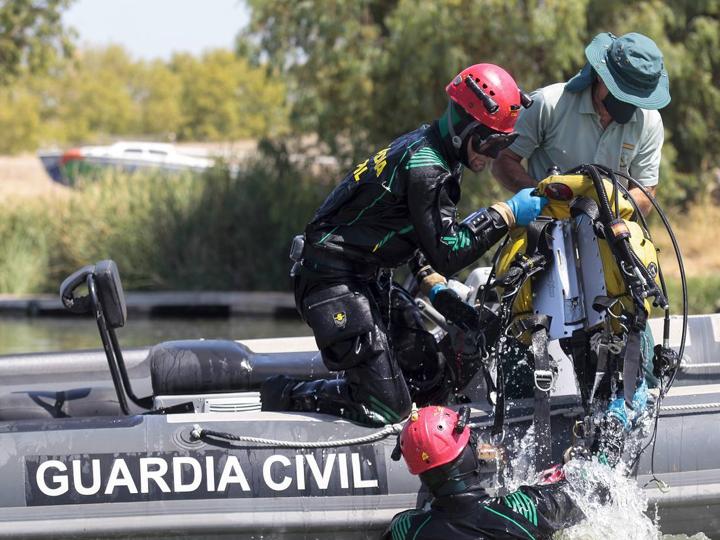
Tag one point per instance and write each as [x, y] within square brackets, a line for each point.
[400, 200]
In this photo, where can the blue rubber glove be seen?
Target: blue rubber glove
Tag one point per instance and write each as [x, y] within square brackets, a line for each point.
[617, 409]
[640, 400]
[526, 207]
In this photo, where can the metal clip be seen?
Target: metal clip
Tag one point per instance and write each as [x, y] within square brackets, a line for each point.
[544, 380]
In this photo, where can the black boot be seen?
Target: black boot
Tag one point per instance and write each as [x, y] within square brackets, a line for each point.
[281, 393]
[275, 393]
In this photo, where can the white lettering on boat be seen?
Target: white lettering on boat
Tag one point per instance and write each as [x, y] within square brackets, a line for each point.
[246, 473]
[61, 482]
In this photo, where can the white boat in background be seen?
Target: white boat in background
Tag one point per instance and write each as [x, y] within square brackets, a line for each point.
[66, 166]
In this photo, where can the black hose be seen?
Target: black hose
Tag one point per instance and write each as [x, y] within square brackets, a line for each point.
[605, 211]
[681, 268]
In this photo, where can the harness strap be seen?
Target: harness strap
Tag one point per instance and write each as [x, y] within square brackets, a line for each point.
[543, 384]
[585, 205]
[534, 260]
[535, 235]
[632, 361]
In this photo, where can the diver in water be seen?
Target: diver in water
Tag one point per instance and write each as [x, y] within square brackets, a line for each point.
[442, 451]
[397, 202]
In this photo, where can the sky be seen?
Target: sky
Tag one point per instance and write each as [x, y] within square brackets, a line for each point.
[156, 28]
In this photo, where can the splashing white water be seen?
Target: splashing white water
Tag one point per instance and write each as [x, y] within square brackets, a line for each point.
[521, 469]
[622, 516]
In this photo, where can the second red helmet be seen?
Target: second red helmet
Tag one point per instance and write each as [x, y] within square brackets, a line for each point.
[429, 439]
[489, 94]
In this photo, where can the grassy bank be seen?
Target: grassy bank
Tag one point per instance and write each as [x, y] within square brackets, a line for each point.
[166, 231]
[228, 231]
[703, 294]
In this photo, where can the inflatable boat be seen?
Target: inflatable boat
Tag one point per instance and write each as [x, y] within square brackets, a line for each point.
[74, 465]
[170, 441]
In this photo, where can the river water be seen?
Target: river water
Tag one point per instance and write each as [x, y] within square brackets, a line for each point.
[42, 334]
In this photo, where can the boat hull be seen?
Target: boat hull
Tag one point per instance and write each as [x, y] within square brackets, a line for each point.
[76, 468]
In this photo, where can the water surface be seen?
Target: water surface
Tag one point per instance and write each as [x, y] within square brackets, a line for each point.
[42, 334]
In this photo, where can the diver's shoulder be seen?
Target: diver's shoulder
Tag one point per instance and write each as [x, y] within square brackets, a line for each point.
[407, 525]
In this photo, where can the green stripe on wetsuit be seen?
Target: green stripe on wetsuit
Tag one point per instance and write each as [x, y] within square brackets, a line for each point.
[383, 410]
[389, 235]
[400, 528]
[461, 240]
[426, 157]
[523, 505]
[511, 520]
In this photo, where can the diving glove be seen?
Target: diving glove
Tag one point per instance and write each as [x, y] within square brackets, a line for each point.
[618, 422]
[525, 206]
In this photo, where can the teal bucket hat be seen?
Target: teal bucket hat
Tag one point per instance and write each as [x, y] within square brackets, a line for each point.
[631, 66]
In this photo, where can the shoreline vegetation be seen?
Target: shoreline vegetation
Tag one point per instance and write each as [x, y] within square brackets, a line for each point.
[305, 72]
[231, 231]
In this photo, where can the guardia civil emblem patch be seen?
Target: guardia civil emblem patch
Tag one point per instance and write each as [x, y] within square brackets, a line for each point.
[340, 319]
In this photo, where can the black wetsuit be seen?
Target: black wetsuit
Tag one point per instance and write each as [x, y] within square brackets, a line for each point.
[531, 512]
[400, 200]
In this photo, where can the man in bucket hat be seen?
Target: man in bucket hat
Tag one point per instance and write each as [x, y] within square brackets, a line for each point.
[606, 114]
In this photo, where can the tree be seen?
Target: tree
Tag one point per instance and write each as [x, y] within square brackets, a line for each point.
[364, 71]
[91, 97]
[326, 50]
[157, 90]
[361, 72]
[32, 36]
[19, 120]
[224, 97]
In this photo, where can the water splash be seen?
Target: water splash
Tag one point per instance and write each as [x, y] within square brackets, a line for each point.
[520, 468]
[622, 516]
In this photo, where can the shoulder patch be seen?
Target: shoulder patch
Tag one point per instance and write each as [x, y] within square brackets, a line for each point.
[426, 157]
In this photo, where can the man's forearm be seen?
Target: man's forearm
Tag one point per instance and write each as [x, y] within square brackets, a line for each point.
[510, 173]
[641, 200]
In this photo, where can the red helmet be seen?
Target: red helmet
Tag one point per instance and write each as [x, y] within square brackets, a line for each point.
[490, 95]
[429, 439]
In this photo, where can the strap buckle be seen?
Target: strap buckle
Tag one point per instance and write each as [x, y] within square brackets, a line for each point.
[544, 380]
[518, 327]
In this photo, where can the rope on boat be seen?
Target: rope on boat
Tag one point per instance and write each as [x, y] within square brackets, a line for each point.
[199, 433]
[691, 407]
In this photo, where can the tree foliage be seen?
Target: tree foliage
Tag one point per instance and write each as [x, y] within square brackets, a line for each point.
[103, 93]
[224, 97]
[32, 36]
[363, 71]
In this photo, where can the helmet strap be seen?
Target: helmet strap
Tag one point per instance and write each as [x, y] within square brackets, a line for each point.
[458, 476]
[457, 140]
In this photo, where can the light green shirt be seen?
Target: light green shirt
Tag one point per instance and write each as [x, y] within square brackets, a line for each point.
[562, 129]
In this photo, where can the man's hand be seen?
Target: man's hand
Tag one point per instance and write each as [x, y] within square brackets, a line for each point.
[510, 173]
[641, 200]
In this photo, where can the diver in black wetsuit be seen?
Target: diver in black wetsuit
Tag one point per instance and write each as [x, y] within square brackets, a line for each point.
[399, 201]
[442, 452]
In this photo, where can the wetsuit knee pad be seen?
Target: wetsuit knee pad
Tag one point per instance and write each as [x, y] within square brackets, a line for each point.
[343, 324]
